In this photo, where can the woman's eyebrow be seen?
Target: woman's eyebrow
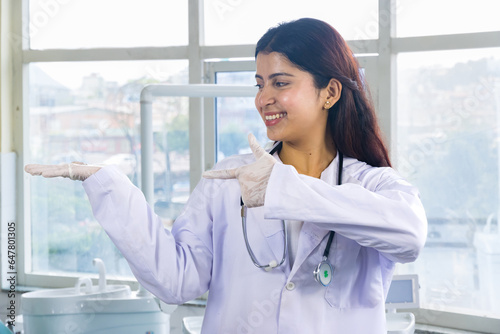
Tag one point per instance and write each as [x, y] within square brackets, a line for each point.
[257, 76]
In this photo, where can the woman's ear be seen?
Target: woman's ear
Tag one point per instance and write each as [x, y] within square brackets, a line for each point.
[333, 92]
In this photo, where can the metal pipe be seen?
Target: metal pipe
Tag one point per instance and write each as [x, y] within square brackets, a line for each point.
[147, 176]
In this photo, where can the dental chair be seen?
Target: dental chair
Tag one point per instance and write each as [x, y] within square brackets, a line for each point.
[192, 325]
[403, 294]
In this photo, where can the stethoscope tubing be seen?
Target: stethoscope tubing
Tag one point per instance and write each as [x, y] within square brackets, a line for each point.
[273, 263]
[249, 249]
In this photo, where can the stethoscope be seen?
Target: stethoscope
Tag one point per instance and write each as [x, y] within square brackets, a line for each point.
[324, 271]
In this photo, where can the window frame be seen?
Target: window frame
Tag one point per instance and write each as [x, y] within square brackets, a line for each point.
[386, 47]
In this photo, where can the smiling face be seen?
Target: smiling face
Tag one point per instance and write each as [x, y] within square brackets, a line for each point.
[291, 107]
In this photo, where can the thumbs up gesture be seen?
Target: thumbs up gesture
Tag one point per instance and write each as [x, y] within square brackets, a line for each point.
[253, 178]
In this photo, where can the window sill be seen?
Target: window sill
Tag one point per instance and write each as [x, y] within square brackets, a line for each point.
[426, 329]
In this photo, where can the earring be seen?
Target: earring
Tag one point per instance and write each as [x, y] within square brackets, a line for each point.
[327, 105]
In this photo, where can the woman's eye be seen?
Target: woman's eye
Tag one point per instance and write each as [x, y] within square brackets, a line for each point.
[259, 86]
[280, 84]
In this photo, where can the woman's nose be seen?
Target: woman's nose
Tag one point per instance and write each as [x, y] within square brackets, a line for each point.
[264, 97]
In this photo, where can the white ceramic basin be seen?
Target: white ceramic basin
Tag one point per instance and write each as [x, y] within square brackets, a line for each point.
[96, 309]
[400, 323]
[58, 301]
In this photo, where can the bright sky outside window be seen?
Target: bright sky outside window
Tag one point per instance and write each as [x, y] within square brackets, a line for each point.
[444, 17]
[243, 22]
[74, 24]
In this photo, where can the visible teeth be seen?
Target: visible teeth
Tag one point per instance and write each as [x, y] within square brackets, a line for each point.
[275, 116]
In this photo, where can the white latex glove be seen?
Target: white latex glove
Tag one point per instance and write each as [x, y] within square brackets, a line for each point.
[73, 171]
[253, 178]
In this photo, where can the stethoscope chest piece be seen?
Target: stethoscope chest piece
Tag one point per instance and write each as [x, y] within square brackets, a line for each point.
[323, 273]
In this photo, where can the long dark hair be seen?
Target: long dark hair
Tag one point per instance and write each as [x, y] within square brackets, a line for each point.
[316, 47]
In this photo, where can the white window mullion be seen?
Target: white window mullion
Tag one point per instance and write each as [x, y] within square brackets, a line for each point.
[21, 140]
[196, 116]
[103, 54]
[387, 73]
[228, 51]
[447, 42]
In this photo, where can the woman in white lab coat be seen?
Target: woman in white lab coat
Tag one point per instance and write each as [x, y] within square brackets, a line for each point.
[314, 104]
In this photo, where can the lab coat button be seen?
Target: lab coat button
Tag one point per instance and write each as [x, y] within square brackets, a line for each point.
[290, 286]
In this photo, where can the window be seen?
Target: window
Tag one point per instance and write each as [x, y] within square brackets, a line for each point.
[236, 117]
[89, 111]
[85, 64]
[448, 122]
[82, 63]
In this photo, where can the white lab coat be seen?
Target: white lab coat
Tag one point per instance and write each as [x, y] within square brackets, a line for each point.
[377, 216]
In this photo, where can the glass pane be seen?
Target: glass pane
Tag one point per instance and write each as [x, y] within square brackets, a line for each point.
[237, 117]
[90, 112]
[444, 17]
[62, 24]
[244, 22]
[448, 146]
